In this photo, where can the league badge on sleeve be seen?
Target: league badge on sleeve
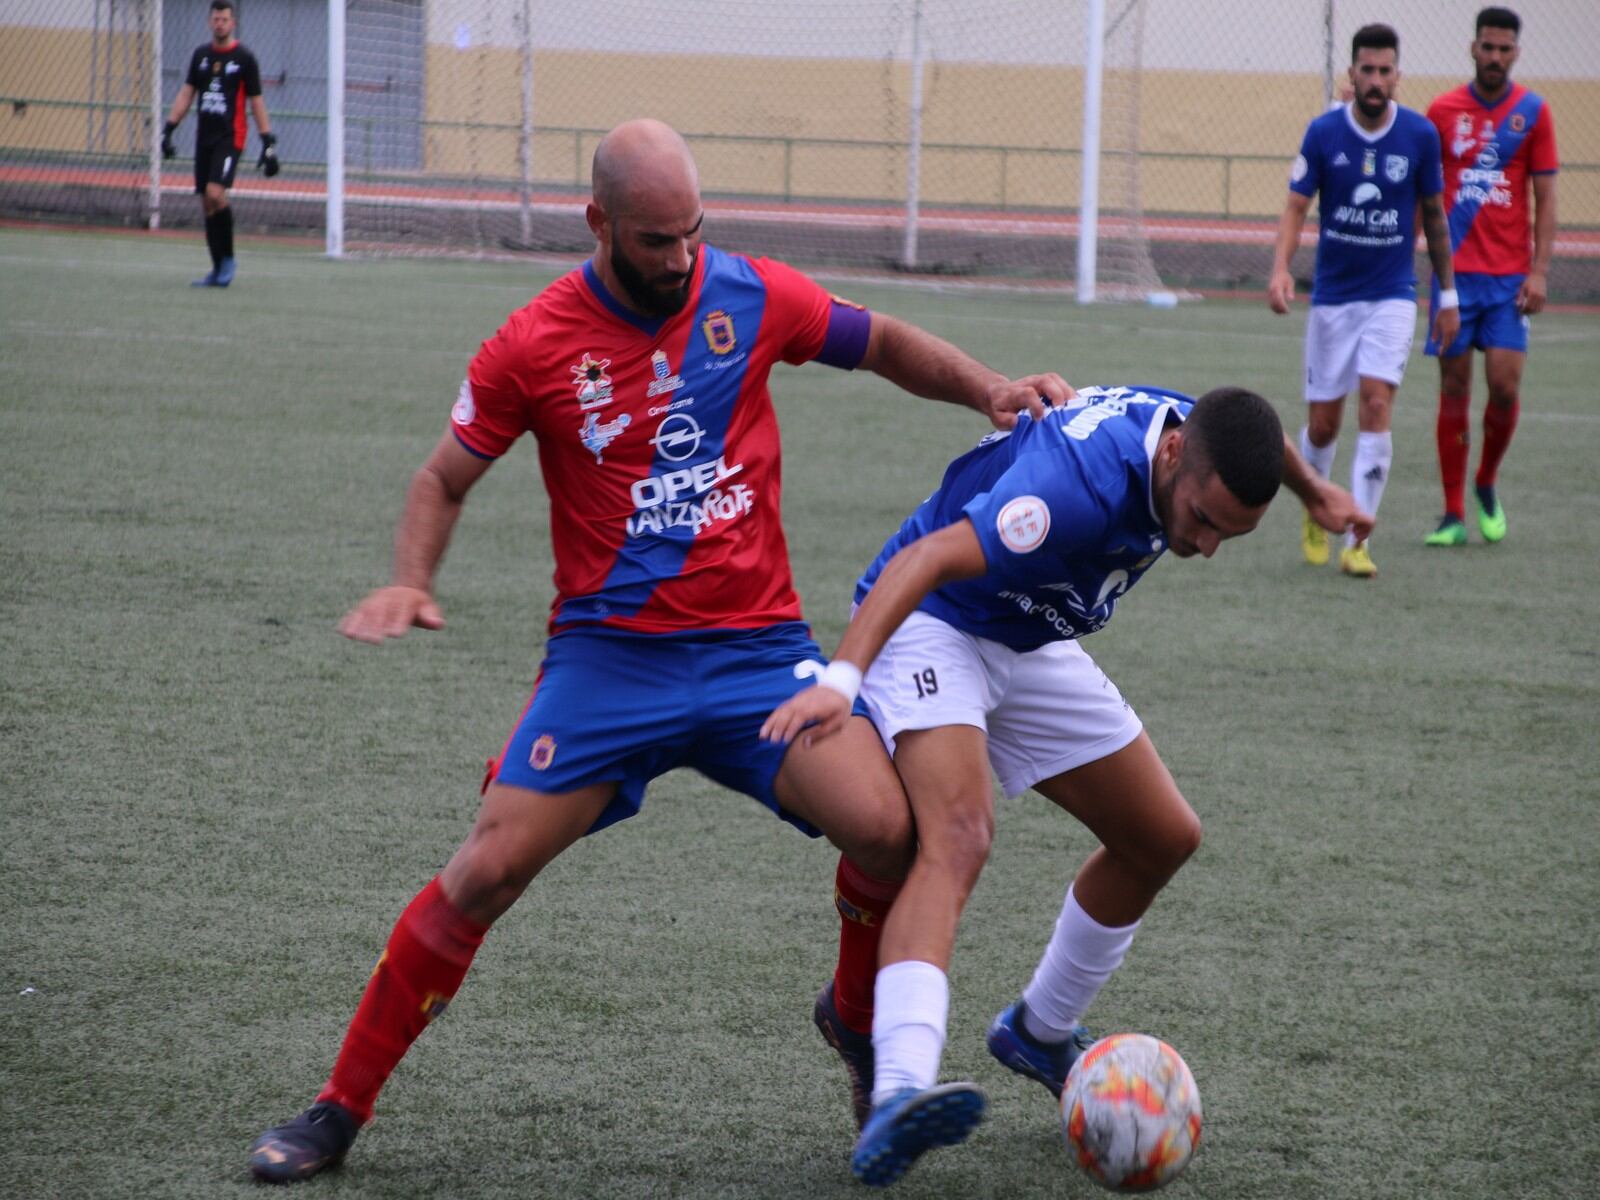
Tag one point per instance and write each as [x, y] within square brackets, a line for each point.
[464, 411]
[1023, 524]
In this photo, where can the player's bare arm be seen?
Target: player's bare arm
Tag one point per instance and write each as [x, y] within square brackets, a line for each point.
[1280, 288]
[258, 111]
[1535, 288]
[945, 556]
[929, 366]
[1436, 232]
[433, 502]
[1329, 505]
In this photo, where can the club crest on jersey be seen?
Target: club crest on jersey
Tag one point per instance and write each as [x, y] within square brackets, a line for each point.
[665, 380]
[1395, 167]
[1518, 122]
[543, 752]
[593, 384]
[1369, 162]
[596, 434]
[718, 327]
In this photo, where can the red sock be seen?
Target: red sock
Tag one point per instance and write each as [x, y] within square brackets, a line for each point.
[422, 966]
[1453, 435]
[1499, 423]
[863, 902]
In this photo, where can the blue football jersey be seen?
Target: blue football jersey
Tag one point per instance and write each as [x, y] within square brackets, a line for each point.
[1063, 509]
[1370, 184]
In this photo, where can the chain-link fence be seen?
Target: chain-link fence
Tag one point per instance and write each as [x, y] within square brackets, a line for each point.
[939, 136]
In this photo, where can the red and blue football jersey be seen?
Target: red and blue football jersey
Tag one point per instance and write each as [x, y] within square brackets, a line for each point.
[657, 439]
[1489, 153]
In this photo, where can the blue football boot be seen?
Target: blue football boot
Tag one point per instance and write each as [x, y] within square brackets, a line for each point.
[209, 279]
[1048, 1062]
[911, 1121]
[226, 272]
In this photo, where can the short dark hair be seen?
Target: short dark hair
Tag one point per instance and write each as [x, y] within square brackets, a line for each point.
[219, 5]
[1374, 37]
[1498, 18]
[1239, 436]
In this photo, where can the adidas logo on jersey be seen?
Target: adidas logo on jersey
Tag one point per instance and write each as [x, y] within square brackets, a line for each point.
[1339, 160]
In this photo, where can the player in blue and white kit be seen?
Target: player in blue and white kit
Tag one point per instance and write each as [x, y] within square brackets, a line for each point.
[967, 633]
[1374, 162]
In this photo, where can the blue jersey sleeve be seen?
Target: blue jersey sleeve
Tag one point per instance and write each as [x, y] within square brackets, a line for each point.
[1040, 512]
[1305, 177]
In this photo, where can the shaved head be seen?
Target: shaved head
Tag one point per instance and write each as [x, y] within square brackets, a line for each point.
[640, 164]
[646, 216]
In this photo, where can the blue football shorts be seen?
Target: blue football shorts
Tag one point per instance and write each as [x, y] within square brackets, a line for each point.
[1489, 316]
[616, 706]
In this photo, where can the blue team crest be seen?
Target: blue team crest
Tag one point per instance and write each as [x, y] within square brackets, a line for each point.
[1395, 167]
[1369, 162]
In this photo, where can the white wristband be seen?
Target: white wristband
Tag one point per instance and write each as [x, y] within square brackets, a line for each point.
[842, 677]
[1449, 298]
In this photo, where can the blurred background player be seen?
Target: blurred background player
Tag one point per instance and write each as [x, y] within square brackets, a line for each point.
[224, 75]
[676, 628]
[967, 633]
[1499, 143]
[1374, 162]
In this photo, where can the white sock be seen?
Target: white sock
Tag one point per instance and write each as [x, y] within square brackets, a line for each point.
[1369, 472]
[1079, 959]
[911, 1006]
[1320, 457]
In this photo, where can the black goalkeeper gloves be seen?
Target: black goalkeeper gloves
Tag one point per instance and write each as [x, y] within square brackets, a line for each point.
[268, 162]
[169, 148]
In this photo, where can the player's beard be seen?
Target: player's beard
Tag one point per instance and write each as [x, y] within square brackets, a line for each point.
[1491, 79]
[644, 294]
[1372, 104]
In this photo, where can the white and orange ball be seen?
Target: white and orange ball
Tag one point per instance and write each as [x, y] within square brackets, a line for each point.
[1130, 1113]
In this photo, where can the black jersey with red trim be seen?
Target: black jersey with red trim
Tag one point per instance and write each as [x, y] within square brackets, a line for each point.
[221, 80]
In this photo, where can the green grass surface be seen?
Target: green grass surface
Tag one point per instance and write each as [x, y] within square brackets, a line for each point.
[1383, 964]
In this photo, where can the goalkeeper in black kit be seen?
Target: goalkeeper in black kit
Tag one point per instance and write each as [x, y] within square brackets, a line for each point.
[224, 75]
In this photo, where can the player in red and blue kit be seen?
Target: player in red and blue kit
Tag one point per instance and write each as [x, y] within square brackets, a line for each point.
[968, 631]
[1499, 143]
[1375, 164]
[675, 628]
[225, 77]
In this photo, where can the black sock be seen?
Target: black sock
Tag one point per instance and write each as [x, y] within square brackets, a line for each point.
[225, 231]
[214, 238]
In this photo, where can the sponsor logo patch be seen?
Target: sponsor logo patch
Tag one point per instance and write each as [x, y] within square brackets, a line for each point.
[596, 434]
[677, 437]
[593, 384]
[664, 381]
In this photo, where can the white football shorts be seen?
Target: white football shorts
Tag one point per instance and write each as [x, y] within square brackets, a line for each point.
[1046, 711]
[1344, 342]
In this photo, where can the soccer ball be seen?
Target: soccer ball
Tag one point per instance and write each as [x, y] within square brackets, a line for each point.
[1130, 1113]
